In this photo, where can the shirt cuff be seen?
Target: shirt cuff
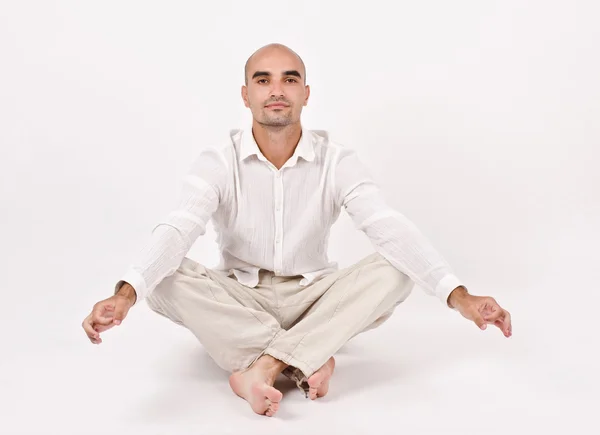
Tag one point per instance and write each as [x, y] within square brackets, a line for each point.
[445, 287]
[135, 280]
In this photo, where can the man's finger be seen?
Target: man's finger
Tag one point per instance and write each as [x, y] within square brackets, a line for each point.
[121, 309]
[102, 328]
[101, 309]
[89, 329]
[504, 324]
[496, 314]
[479, 321]
[101, 320]
[507, 324]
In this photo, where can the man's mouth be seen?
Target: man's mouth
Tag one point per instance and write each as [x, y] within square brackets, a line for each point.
[276, 106]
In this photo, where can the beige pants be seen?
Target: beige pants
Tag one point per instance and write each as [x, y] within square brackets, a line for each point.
[301, 326]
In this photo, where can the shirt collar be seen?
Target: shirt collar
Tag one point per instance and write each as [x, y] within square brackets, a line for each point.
[304, 149]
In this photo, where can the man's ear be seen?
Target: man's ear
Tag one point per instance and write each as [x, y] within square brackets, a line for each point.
[307, 95]
[245, 96]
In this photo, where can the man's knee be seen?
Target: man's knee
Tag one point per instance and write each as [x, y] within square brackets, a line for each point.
[162, 299]
[163, 289]
[169, 287]
[397, 282]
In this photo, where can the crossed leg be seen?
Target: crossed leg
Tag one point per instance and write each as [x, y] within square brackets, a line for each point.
[233, 328]
[244, 338]
[346, 303]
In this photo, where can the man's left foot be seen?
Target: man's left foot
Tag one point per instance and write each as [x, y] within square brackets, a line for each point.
[319, 381]
[255, 385]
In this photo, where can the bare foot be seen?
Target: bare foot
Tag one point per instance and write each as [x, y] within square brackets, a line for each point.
[319, 381]
[255, 385]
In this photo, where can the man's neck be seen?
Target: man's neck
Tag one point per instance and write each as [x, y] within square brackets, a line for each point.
[277, 143]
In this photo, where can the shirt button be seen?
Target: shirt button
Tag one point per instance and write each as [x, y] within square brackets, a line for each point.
[279, 175]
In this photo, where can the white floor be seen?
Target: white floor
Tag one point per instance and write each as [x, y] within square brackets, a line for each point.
[425, 371]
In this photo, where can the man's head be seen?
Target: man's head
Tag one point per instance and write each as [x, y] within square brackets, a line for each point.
[275, 89]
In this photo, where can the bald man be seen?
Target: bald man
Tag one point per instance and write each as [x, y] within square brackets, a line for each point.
[276, 304]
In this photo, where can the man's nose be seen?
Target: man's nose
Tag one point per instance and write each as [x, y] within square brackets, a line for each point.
[276, 90]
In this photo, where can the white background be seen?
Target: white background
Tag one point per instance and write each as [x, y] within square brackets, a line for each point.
[480, 119]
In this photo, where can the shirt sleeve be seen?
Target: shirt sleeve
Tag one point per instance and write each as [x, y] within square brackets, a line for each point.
[173, 236]
[395, 237]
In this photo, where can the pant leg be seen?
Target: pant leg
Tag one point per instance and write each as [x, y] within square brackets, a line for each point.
[351, 301]
[231, 325]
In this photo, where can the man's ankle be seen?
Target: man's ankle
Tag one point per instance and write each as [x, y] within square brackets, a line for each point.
[270, 363]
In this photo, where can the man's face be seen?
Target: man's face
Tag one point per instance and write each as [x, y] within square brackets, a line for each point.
[275, 92]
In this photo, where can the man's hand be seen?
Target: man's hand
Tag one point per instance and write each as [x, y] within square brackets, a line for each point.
[108, 313]
[481, 310]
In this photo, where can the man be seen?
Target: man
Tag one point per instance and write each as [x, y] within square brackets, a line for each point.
[275, 304]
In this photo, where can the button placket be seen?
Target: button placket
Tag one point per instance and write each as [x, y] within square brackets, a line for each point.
[278, 260]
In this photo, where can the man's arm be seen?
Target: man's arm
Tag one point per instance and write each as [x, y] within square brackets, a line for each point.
[173, 237]
[403, 245]
[392, 234]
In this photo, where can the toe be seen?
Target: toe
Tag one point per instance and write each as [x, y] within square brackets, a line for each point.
[272, 409]
[273, 394]
[315, 380]
[323, 390]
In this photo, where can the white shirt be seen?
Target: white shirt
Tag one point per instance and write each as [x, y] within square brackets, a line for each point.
[280, 220]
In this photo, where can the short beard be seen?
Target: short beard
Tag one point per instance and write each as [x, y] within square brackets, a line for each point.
[278, 123]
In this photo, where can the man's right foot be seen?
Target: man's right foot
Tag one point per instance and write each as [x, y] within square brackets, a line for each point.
[255, 385]
[319, 381]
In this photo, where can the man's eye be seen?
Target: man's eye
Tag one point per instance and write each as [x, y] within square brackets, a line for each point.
[261, 81]
[292, 80]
